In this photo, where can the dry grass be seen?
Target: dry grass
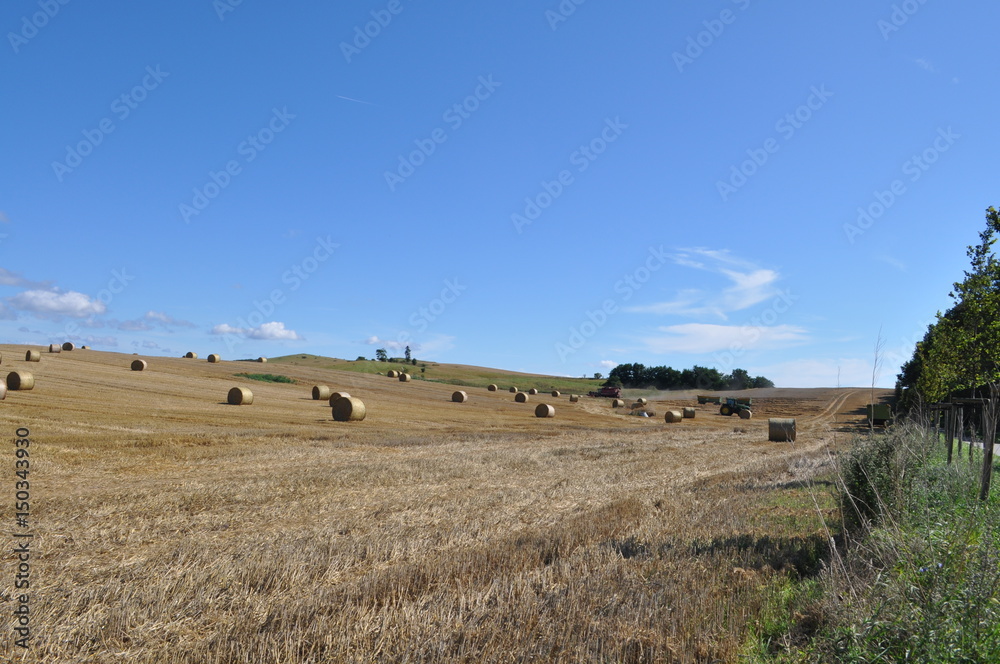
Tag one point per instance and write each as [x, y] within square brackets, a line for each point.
[171, 528]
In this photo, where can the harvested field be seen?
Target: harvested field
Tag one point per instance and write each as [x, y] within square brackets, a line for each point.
[171, 527]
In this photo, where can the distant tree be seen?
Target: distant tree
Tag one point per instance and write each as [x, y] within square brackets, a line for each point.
[361, 358]
[408, 354]
[413, 361]
[739, 379]
[598, 376]
[381, 355]
[613, 381]
[760, 381]
[423, 369]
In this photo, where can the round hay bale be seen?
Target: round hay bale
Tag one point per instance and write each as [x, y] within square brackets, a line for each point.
[337, 395]
[492, 388]
[689, 412]
[139, 365]
[513, 390]
[68, 346]
[405, 378]
[3, 391]
[781, 429]
[55, 348]
[618, 403]
[349, 409]
[32, 356]
[574, 398]
[641, 401]
[392, 373]
[521, 397]
[262, 360]
[459, 397]
[84, 347]
[745, 414]
[240, 396]
[673, 416]
[20, 380]
[545, 410]
[555, 393]
[214, 358]
[532, 391]
[321, 392]
[191, 356]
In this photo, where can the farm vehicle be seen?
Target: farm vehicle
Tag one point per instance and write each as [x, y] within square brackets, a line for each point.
[610, 392]
[736, 406]
[703, 398]
[879, 414]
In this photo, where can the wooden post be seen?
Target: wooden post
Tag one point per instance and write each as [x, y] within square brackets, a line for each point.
[989, 436]
[949, 422]
[960, 429]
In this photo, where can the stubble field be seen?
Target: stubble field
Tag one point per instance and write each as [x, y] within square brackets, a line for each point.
[170, 527]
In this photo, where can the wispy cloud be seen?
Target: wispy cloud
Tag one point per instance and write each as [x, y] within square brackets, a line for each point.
[273, 331]
[894, 262]
[427, 348]
[925, 64]
[749, 285]
[165, 320]
[356, 101]
[8, 278]
[824, 372]
[709, 338]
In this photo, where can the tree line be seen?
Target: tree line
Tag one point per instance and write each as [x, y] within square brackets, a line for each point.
[961, 350]
[695, 378]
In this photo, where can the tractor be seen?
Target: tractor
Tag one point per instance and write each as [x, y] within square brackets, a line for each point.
[704, 398]
[610, 392]
[740, 407]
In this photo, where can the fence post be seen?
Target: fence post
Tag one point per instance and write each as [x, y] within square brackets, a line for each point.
[989, 436]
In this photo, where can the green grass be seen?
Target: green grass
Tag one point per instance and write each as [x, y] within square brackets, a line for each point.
[267, 378]
[920, 581]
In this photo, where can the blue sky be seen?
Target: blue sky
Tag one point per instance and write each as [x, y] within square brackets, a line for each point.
[547, 187]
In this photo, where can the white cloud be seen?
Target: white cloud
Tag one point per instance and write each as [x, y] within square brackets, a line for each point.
[164, 319]
[390, 345]
[750, 285]
[436, 344]
[134, 326]
[53, 304]
[8, 278]
[273, 331]
[608, 364]
[925, 65]
[830, 372]
[708, 338]
[427, 349]
[894, 262]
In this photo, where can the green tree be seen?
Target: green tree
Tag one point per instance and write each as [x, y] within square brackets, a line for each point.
[598, 376]
[961, 349]
[739, 379]
[381, 355]
[408, 354]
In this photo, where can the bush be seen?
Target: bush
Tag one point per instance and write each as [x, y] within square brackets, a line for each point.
[267, 378]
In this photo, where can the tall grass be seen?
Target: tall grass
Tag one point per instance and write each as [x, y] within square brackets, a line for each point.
[921, 581]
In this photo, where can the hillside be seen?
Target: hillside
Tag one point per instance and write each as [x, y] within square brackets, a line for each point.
[169, 526]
